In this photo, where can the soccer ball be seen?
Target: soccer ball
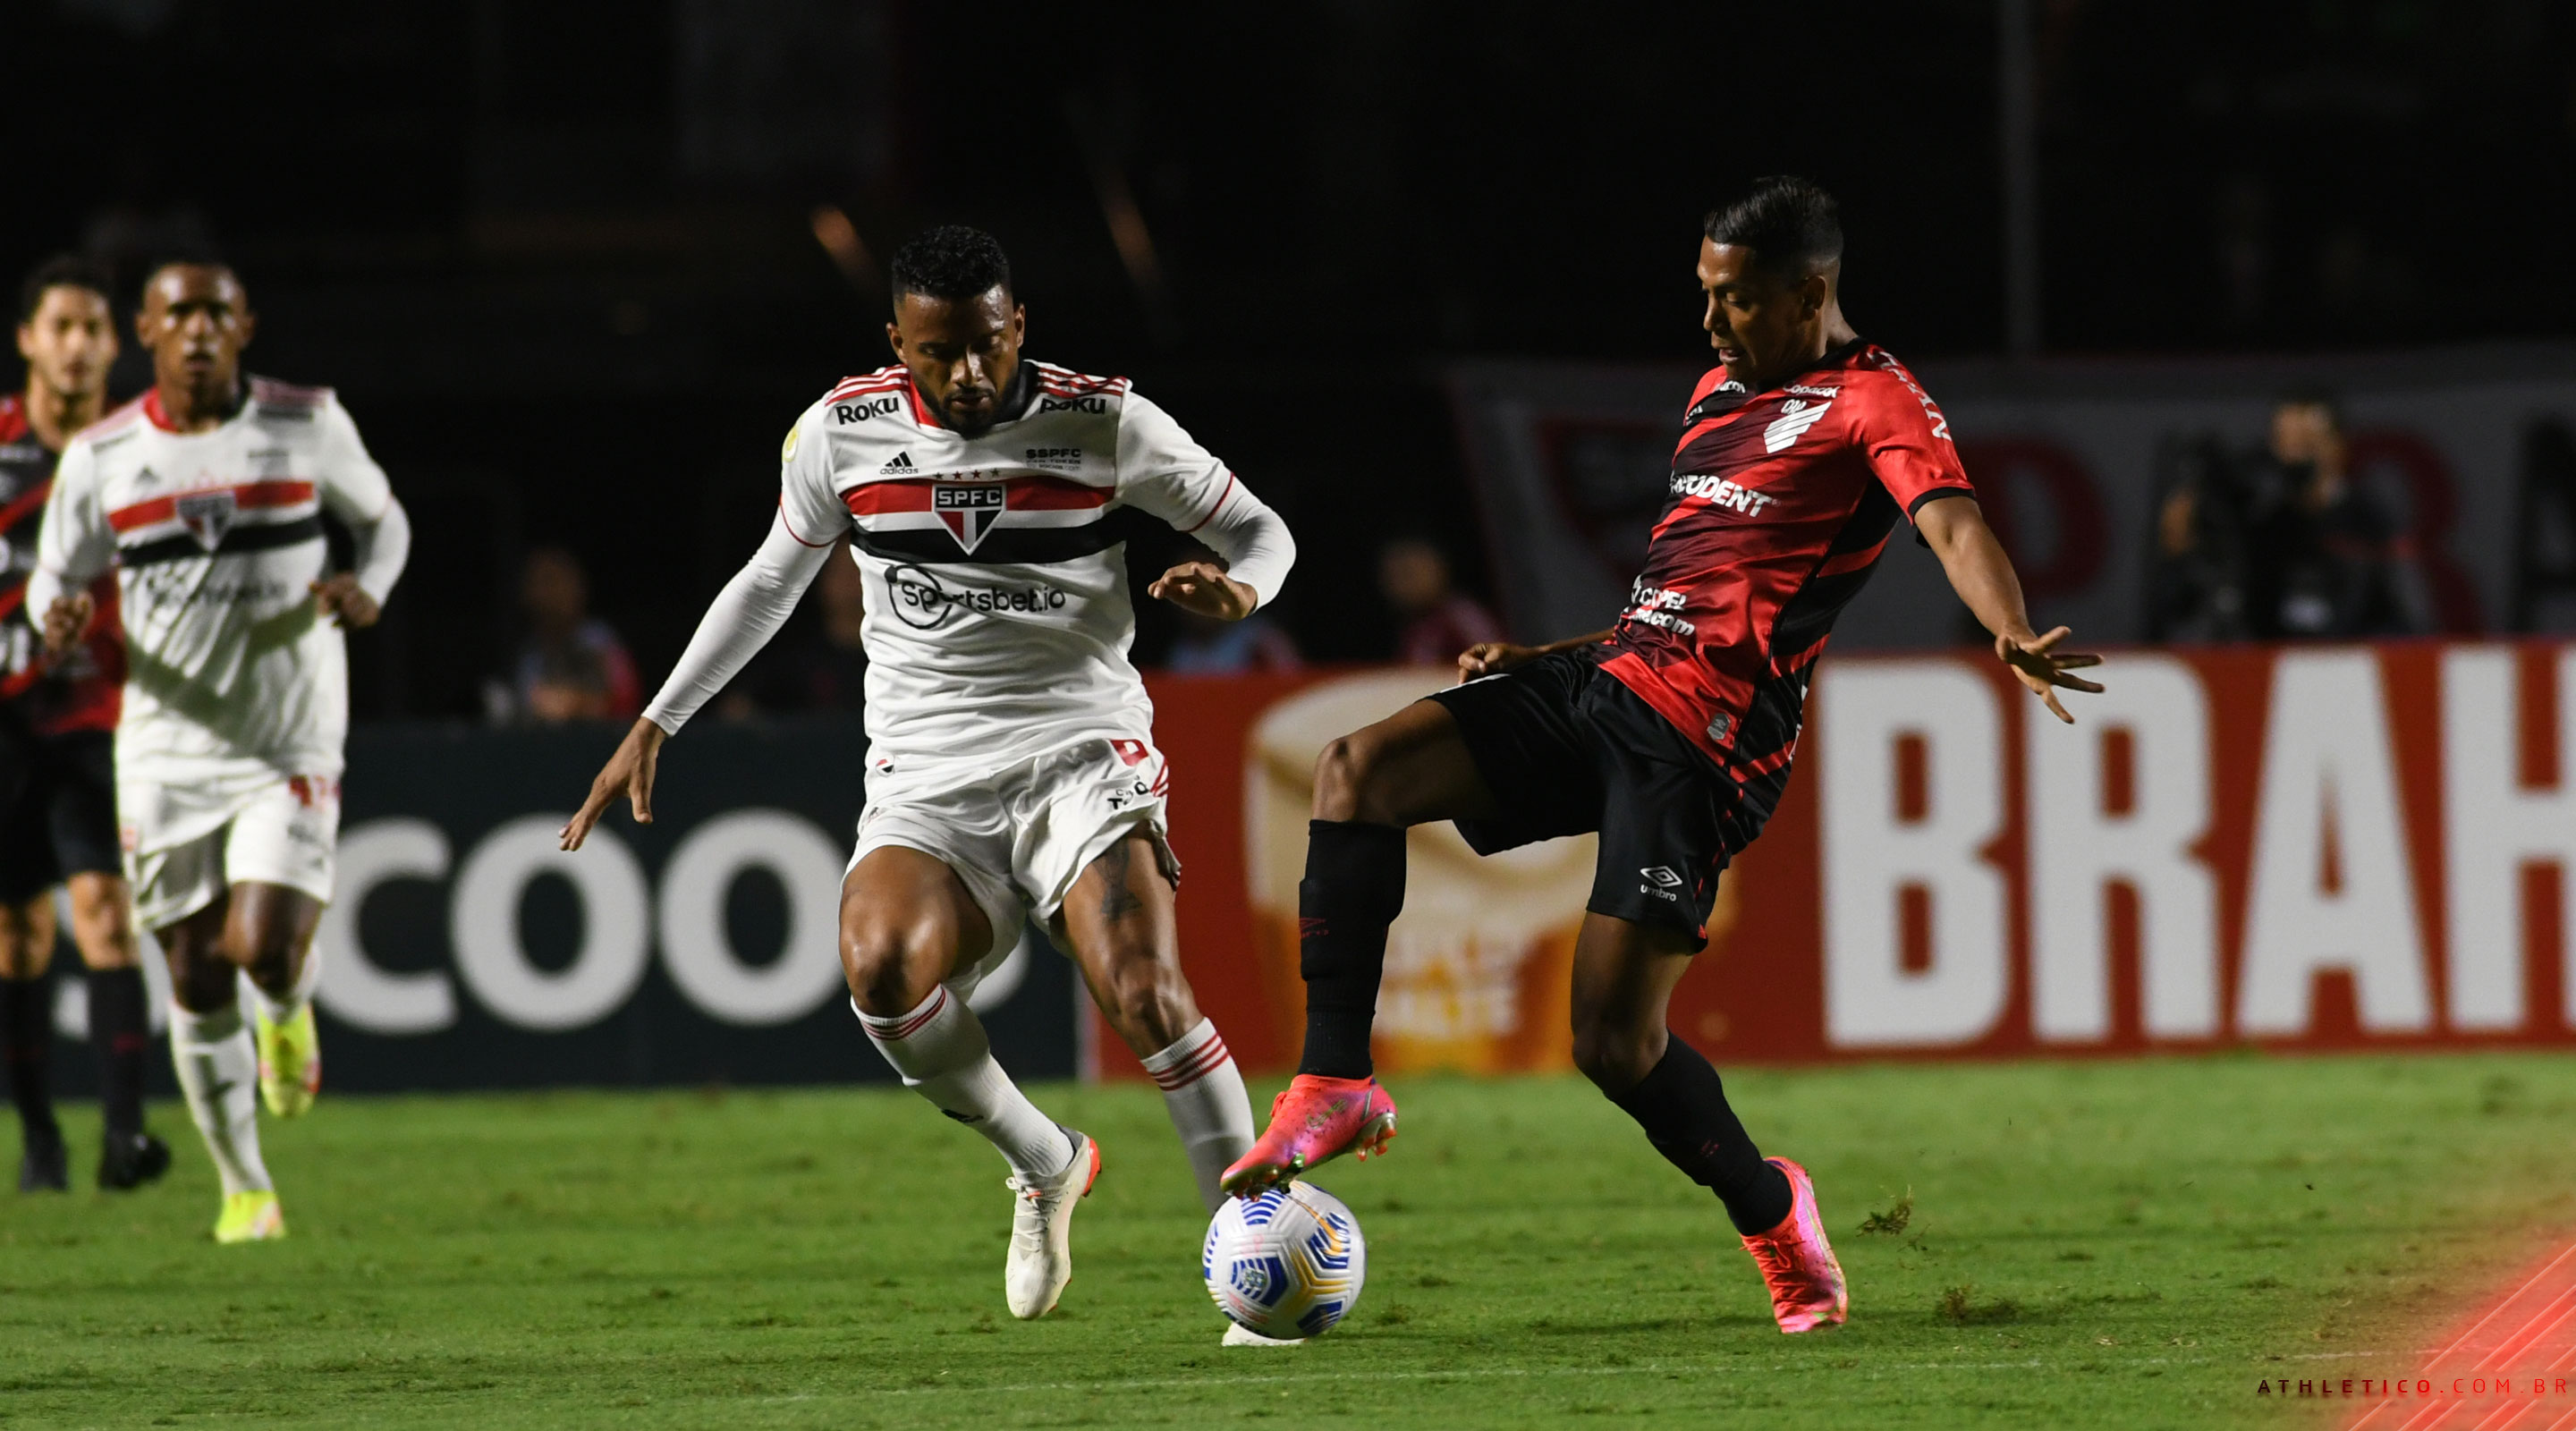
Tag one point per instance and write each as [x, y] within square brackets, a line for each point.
[1287, 1263]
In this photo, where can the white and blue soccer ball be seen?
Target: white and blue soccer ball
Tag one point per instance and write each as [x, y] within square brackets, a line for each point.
[1288, 1263]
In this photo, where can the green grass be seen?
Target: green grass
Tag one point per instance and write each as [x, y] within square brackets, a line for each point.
[2099, 1244]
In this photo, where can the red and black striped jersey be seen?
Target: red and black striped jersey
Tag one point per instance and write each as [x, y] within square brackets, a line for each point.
[1780, 504]
[82, 690]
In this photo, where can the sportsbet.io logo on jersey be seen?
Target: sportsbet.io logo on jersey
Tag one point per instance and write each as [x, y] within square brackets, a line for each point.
[923, 602]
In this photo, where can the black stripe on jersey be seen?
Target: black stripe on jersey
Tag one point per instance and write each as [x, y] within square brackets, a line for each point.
[1029, 545]
[240, 539]
[1807, 616]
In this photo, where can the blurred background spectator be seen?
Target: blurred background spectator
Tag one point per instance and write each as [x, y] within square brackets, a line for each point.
[2196, 578]
[2325, 561]
[1439, 620]
[572, 667]
[821, 670]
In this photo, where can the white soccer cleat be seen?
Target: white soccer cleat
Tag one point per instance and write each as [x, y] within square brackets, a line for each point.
[1042, 1231]
[1242, 1336]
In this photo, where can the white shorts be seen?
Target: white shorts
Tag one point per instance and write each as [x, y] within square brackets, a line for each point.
[285, 832]
[1018, 835]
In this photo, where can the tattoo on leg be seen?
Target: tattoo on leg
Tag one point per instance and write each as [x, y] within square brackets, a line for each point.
[1117, 901]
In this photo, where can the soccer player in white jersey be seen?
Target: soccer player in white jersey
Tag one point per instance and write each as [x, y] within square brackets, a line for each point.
[207, 496]
[1012, 768]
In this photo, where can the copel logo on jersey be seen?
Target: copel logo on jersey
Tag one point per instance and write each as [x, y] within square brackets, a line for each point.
[207, 516]
[969, 511]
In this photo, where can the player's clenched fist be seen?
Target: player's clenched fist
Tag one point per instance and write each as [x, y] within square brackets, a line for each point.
[629, 773]
[1492, 658]
[1204, 587]
[341, 597]
[67, 621]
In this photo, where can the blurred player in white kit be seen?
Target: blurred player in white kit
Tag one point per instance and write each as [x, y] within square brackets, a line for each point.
[206, 495]
[1012, 769]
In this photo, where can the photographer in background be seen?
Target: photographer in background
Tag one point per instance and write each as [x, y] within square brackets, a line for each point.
[2326, 560]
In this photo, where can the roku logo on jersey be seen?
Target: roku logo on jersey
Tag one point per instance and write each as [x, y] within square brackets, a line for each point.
[1719, 492]
[1077, 404]
[863, 411]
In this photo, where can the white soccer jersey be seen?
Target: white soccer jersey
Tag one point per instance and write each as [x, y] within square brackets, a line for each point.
[997, 606]
[217, 537]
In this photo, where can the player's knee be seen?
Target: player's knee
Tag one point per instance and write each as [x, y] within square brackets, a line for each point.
[1150, 1003]
[1344, 774]
[1614, 1057]
[884, 966]
[202, 983]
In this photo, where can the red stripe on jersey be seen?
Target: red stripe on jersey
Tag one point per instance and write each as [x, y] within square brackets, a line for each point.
[1026, 494]
[13, 418]
[30, 501]
[1212, 511]
[791, 526]
[247, 496]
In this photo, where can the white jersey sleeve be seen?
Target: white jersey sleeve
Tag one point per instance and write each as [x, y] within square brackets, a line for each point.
[807, 500]
[75, 543]
[355, 490]
[1163, 471]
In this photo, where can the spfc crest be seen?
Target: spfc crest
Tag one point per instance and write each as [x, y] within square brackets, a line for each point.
[969, 510]
[207, 516]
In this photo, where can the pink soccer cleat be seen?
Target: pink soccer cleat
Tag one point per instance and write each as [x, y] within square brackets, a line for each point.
[1313, 1121]
[1806, 1282]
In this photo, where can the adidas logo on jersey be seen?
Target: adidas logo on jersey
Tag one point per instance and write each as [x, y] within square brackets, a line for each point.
[902, 463]
[1796, 416]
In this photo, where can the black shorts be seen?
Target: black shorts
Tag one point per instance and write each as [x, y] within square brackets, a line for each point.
[57, 807]
[1568, 750]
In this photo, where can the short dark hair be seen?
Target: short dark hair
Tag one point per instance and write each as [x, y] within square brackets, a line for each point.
[63, 270]
[1790, 224]
[952, 262]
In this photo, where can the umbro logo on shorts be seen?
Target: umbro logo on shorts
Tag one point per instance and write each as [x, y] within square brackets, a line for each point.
[1662, 880]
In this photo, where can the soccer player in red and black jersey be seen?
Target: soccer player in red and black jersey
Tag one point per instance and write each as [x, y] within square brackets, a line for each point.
[1670, 734]
[57, 772]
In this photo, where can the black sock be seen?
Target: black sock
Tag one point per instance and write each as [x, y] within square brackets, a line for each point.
[121, 1034]
[26, 1033]
[1354, 888]
[1682, 1106]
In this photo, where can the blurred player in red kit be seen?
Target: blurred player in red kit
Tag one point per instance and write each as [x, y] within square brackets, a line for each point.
[57, 758]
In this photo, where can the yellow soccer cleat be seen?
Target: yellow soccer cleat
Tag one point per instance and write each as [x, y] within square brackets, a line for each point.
[250, 1217]
[290, 1063]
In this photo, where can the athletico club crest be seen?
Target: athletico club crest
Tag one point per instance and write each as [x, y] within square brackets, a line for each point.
[969, 510]
[207, 516]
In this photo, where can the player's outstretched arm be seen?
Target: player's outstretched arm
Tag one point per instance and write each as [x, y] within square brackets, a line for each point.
[1983, 576]
[629, 773]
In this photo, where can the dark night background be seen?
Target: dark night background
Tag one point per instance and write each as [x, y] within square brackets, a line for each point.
[559, 256]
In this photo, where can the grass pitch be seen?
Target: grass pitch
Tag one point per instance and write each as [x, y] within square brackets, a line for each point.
[2101, 1244]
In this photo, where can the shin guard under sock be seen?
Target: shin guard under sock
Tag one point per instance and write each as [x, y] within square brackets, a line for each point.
[1354, 888]
[26, 1038]
[1682, 1105]
[117, 1029]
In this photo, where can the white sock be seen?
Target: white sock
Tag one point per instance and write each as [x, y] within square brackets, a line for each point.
[1204, 1091]
[280, 1010]
[219, 1073]
[940, 1049]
